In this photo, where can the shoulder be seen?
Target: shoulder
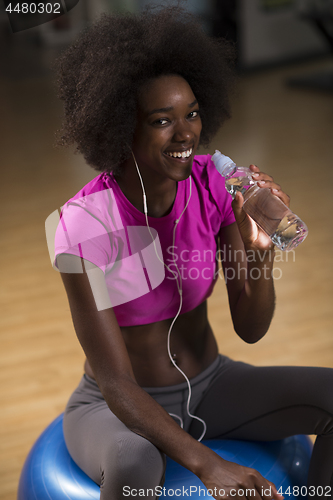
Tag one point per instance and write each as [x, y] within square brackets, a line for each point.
[95, 202]
[86, 194]
[86, 222]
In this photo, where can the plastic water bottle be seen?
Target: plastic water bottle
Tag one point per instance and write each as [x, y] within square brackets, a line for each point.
[285, 229]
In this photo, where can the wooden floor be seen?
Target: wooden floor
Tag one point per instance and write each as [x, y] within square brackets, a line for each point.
[285, 131]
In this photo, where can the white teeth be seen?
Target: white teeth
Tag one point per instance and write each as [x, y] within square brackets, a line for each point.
[184, 154]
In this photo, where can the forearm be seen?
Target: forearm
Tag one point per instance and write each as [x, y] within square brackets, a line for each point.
[253, 311]
[144, 416]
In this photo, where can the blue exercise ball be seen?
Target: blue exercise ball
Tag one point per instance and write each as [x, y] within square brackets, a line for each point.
[49, 473]
[285, 463]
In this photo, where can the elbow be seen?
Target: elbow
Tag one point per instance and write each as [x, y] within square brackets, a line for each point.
[117, 385]
[251, 335]
[251, 330]
[250, 339]
[116, 388]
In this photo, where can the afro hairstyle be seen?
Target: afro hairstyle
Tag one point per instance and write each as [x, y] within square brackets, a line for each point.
[100, 75]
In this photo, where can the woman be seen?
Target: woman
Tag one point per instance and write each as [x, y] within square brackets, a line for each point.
[134, 248]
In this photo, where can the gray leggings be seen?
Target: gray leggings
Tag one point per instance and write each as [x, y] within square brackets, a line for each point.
[236, 400]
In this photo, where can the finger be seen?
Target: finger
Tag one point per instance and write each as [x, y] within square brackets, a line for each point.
[237, 203]
[266, 181]
[276, 189]
[247, 227]
[257, 496]
[275, 493]
[283, 196]
[262, 177]
[267, 489]
[237, 206]
[264, 492]
[258, 175]
[254, 168]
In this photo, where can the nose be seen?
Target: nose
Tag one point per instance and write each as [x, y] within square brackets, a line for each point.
[183, 132]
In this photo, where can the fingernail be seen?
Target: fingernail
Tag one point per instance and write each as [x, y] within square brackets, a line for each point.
[255, 175]
[275, 190]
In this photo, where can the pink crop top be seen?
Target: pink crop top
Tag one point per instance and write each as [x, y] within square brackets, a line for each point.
[102, 226]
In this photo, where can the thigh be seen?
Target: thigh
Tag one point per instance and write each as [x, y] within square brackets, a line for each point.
[266, 403]
[91, 433]
[104, 448]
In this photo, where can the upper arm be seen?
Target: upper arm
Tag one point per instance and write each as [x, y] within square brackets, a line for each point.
[97, 328]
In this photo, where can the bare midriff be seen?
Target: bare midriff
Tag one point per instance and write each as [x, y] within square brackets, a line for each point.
[193, 347]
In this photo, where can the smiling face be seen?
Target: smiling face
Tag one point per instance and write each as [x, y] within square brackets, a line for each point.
[168, 128]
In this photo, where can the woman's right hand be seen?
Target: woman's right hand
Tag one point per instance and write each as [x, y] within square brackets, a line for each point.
[229, 480]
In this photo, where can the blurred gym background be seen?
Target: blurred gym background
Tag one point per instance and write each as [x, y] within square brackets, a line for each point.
[282, 121]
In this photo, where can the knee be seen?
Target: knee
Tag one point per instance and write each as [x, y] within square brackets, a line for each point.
[132, 462]
[137, 453]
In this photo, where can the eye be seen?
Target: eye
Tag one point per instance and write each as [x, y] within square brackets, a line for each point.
[160, 121]
[194, 114]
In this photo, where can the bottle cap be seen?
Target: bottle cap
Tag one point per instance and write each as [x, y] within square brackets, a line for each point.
[221, 161]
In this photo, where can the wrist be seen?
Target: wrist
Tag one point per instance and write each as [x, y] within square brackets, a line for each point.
[202, 461]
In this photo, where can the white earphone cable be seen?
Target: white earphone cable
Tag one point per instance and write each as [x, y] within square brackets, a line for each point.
[180, 291]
